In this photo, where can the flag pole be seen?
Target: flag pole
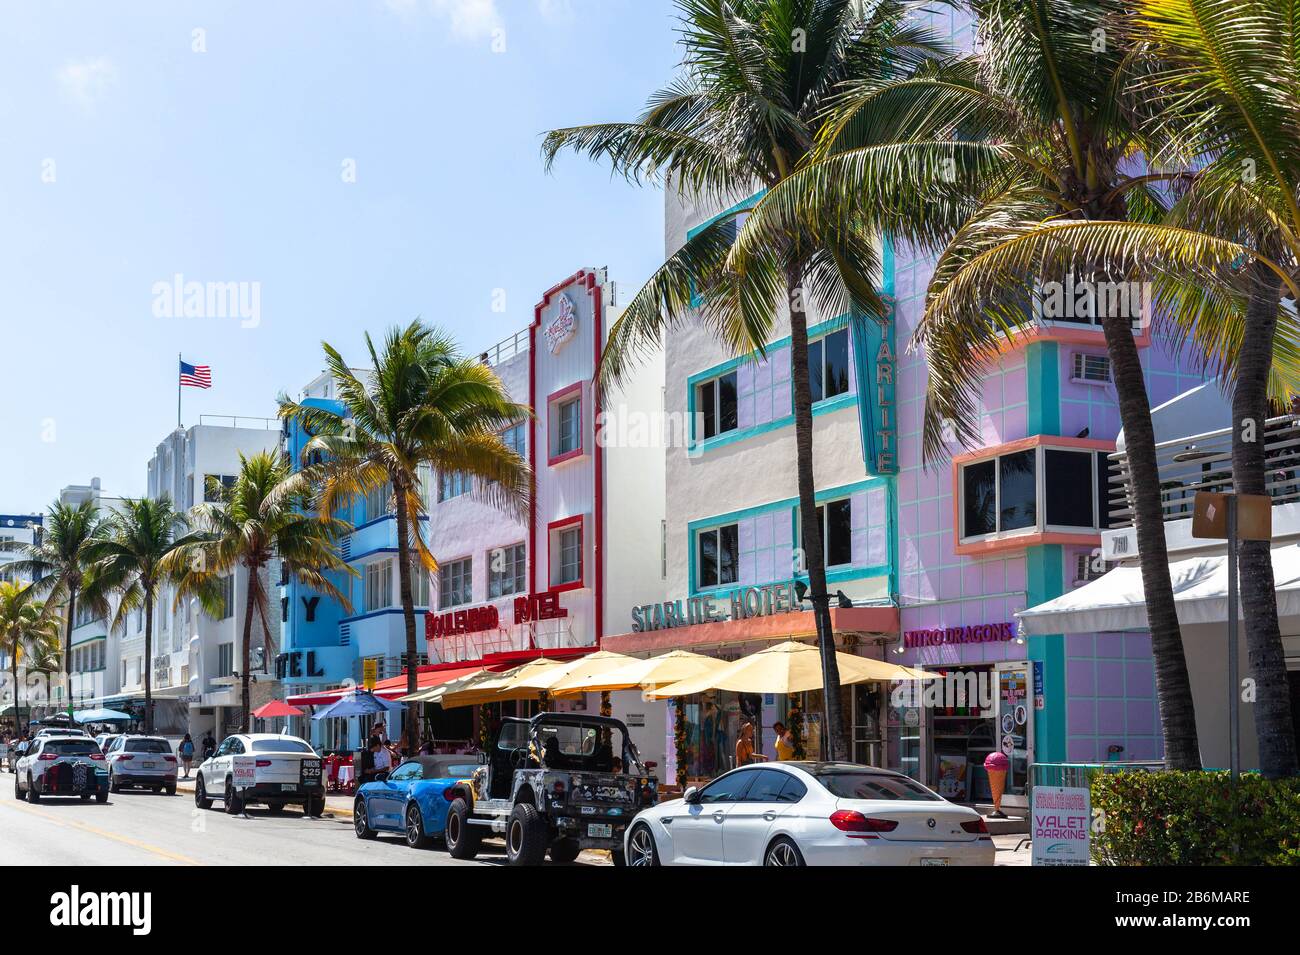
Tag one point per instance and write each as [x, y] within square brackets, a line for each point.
[179, 361]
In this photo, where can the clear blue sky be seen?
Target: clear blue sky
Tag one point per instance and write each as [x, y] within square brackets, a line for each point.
[228, 166]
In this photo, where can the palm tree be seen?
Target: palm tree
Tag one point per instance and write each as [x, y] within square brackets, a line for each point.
[131, 562]
[1040, 127]
[25, 630]
[421, 403]
[1224, 85]
[248, 528]
[57, 562]
[757, 80]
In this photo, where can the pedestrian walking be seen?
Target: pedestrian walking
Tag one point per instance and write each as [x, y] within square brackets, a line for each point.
[186, 751]
[784, 741]
[209, 745]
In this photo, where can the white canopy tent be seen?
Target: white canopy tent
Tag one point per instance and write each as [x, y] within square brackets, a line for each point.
[1116, 602]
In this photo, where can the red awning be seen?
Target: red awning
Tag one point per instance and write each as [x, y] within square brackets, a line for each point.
[276, 708]
[389, 689]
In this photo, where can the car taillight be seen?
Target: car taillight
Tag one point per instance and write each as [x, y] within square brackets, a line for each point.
[98, 756]
[263, 763]
[125, 756]
[976, 825]
[170, 759]
[848, 820]
[450, 795]
[47, 756]
[558, 787]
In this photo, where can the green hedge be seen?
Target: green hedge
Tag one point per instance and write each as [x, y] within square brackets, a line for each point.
[1180, 818]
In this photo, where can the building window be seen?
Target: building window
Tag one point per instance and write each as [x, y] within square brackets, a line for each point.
[828, 365]
[455, 583]
[506, 571]
[569, 568]
[379, 585]
[215, 487]
[515, 438]
[227, 600]
[452, 484]
[568, 433]
[837, 535]
[377, 502]
[1040, 488]
[719, 556]
[225, 659]
[420, 595]
[718, 405]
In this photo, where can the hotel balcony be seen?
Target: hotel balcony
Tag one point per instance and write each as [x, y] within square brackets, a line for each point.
[1203, 462]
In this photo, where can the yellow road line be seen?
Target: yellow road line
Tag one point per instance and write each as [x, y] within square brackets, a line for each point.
[93, 830]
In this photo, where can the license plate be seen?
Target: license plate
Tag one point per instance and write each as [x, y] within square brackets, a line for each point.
[934, 862]
[149, 765]
[597, 830]
[288, 787]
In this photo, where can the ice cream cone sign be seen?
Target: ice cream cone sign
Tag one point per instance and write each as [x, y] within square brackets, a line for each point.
[996, 765]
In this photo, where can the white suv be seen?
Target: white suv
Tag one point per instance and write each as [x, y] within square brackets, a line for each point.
[144, 761]
[61, 766]
[262, 768]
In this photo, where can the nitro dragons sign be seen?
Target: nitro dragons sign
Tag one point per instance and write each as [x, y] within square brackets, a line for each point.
[983, 633]
[739, 605]
[563, 326]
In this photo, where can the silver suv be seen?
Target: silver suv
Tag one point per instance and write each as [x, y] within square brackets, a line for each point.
[141, 761]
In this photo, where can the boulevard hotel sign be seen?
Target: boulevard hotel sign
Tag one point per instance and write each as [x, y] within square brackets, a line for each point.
[742, 604]
[527, 609]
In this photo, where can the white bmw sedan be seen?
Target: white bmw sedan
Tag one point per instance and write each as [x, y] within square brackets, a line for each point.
[806, 813]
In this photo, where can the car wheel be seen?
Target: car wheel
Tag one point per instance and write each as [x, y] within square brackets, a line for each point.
[360, 823]
[32, 794]
[101, 797]
[18, 790]
[783, 852]
[315, 806]
[565, 850]
[525, 836]
[201, 795]
[234, 805]
[171, 790]
[416, 837]
[642, 850]
[113, 785]
[463, 839]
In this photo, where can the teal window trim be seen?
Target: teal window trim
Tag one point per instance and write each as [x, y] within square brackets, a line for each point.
[792, 505]
[741, 206]
[825, 406]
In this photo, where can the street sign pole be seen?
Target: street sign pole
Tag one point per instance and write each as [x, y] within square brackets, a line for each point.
[1234, 735]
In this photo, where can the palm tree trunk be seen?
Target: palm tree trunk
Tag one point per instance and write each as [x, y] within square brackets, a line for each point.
[408, 615]
[148, 662]
[810, 529]
[13, 663]
[67, 645]
[1173, 686]
[245, 678]
[1272, 708]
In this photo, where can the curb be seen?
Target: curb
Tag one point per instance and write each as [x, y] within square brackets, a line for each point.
[187, 786]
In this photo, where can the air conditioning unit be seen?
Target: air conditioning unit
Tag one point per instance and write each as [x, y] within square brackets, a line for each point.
[1088, 567]
[1091, 369]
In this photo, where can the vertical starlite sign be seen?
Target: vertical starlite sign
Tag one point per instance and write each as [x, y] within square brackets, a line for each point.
[875, 361]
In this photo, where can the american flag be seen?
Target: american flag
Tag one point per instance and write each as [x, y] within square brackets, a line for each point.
[196, 376]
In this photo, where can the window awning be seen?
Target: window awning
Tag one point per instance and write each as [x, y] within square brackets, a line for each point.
[1115, 601]
[389, 689]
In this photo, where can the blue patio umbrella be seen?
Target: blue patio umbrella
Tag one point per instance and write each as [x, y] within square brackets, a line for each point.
[358, 703]
[101, 716]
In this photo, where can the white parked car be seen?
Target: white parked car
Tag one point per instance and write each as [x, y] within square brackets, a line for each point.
[285, 769]
[61, 766]
[808, 813]
[144, 761]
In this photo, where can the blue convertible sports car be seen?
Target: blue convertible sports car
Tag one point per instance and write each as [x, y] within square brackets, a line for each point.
[411, 800]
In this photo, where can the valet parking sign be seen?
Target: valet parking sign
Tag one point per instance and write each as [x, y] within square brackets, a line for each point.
[1059, 818]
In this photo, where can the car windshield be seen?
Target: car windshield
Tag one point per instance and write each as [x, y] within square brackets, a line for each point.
[147, 746]
[864, 785]
[71, 747]
[284, 744]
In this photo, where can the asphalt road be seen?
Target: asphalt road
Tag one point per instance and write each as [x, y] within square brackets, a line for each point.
[140, 828]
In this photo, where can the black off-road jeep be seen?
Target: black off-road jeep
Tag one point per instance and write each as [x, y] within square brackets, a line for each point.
[550, 783]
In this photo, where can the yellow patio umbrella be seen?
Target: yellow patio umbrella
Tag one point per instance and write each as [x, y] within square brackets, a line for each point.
[490, 687]
[434, 694]
[645, 674]
[575, 672]
[789, 667]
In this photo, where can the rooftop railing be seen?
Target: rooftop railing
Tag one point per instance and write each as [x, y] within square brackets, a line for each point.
[506, 349]
[239, 421]
[1203, 462]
